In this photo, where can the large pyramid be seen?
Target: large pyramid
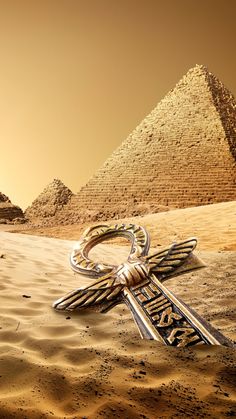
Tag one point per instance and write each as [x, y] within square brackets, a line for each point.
[182, 154]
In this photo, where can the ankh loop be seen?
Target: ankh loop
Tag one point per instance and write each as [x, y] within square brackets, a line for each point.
[138, 282]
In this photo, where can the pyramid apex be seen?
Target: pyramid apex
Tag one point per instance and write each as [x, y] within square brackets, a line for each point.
[56, 181]
[198, 69]
[200, 66]
[55, 187]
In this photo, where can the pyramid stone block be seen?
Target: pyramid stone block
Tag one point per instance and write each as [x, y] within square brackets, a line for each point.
[182, 154]
[51, 200]
[9, 211]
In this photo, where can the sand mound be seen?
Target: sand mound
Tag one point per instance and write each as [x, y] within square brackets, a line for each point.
[213, 225]
[55, 365]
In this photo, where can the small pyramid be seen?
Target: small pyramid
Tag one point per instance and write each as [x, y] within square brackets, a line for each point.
[9, 211]
[51, 200]
[182, 154]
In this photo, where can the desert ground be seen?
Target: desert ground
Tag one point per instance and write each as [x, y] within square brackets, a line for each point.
[214, 226]
[87, 365]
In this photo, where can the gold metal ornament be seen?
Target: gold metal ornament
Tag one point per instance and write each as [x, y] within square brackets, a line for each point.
[138, 282]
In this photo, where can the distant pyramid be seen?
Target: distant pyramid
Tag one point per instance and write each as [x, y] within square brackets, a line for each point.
[51, 200]
[182, 154]
[9, 211]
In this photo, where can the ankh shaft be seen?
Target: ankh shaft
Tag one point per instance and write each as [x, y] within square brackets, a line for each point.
[160, 315]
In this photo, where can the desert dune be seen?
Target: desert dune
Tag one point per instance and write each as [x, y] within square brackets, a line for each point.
[214, 225]
[87, 365]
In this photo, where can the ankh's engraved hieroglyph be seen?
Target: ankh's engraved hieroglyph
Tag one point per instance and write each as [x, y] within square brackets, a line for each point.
[138, 282]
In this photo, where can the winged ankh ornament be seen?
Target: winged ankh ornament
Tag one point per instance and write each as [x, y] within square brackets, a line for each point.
[158, 313]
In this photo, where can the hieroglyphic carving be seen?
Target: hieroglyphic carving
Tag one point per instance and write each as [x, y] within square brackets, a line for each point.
[183, 336]
[168, 317]
[174, 328]
[158, 313]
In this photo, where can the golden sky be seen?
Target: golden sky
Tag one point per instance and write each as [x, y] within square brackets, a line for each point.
[77, 76]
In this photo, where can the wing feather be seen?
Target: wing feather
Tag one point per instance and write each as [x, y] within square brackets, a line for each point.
[102, 290]
[166, 261]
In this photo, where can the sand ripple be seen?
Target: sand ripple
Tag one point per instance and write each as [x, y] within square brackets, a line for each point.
[55, 365]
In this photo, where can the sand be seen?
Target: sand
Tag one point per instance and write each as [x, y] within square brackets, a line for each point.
[86, 365]
[214, 226]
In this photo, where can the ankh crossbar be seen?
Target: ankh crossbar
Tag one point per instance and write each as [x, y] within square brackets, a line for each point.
[158, 313]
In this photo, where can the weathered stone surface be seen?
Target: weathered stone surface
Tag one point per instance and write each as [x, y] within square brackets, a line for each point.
[51, 200]
[9, 211]
[4, 198]
[182, 154]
